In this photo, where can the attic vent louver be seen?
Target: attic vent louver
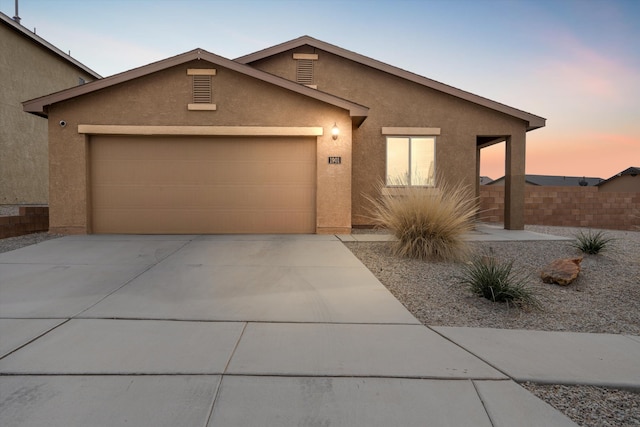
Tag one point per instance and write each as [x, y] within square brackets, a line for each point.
[201, 89]
[304, 68]
[304, 71]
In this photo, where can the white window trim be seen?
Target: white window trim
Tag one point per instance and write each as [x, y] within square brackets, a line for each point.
[410, 131]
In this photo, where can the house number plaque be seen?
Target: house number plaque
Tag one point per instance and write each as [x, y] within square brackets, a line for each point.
[335, 160]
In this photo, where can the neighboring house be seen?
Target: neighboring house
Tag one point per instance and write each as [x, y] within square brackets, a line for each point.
[484, 180]
[626, 181]
[555, 181]
[290, 139]
[29, 67]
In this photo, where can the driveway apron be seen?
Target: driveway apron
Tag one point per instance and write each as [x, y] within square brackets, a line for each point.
[270, 330]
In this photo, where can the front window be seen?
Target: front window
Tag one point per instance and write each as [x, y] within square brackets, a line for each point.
[411, 161]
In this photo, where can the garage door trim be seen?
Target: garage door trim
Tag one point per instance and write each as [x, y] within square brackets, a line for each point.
[200, 130]
[202, 185]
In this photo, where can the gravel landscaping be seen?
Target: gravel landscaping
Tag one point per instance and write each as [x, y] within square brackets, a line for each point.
[605, 299]
[13, 243]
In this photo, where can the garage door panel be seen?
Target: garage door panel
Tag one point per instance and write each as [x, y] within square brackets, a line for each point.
[202, 172]
[195, 197]
[203, 185]
[121, 221]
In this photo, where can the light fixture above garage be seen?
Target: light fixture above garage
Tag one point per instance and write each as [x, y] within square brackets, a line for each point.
[335, 131]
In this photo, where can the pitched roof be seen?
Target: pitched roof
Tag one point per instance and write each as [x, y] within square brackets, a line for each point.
[39, 106]
[556, 181]
[484, 180]
[633, 171]
[533, 121]
[42, 42]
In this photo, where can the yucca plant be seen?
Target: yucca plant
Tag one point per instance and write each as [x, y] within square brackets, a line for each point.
[592, 243]
[499, 282]
[427, 222]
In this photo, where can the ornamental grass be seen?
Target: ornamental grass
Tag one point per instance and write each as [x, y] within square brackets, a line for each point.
[592, 243]
[429, 223]
[499, 282]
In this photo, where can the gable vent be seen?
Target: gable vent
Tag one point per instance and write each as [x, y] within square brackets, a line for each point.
[304, 71]
[202, 89]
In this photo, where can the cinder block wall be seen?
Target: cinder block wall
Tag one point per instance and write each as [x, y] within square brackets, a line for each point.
[31, 219]
[567, 206]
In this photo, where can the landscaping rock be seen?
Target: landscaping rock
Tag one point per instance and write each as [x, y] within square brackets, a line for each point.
[562, 271]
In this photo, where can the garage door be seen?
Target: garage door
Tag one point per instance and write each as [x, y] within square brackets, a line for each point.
[186, 185]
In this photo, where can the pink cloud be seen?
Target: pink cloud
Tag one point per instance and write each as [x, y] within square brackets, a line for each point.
[579, 154]
[620, 140]
[584, 71]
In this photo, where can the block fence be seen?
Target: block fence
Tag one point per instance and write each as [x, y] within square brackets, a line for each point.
[567, 207]
[31, 219]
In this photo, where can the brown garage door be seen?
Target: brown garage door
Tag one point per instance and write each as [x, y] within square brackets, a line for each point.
[183, 185]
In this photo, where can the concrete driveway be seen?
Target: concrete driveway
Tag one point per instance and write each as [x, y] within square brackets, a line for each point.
[229, 331]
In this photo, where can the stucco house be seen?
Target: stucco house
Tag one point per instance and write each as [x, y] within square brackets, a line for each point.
[626, 181]
[29, 67]
[289, 139]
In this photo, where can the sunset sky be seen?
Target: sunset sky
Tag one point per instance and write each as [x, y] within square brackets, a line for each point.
[576, 63]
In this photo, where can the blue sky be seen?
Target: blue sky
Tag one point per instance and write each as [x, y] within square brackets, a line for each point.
[575, 62]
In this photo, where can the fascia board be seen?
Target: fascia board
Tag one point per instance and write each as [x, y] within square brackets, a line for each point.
[38, 106]
[533, 121]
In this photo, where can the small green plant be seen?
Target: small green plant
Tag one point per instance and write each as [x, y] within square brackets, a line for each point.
[427, 222]
[499, 282]
[592, 243]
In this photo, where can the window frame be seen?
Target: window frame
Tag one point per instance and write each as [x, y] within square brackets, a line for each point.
[409, 138]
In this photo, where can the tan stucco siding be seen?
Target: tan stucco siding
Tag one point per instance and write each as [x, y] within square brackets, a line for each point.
[161, 99]
[27, 71]
[397, 102]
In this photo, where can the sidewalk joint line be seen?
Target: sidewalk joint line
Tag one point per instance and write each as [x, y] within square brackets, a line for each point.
[35, 338]
[235, 348]
[484, 406]
[471, 353]
[149, 267]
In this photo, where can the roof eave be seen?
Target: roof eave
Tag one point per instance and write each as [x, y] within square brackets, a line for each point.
[533, 121]
[38, 106]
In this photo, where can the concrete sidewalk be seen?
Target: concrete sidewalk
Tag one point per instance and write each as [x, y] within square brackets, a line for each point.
[258, 330]
[483, 233]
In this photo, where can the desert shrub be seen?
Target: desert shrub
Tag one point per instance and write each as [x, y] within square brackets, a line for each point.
[428, 222]
[498, 282]
[592, 242]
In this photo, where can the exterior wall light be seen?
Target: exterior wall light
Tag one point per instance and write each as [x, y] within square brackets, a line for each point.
[335, 131]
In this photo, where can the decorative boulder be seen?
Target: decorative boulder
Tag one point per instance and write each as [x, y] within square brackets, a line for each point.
[562, 271]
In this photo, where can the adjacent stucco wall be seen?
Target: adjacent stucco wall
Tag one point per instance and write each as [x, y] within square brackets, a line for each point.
[27, 71]
[161, 99]
[397, 102]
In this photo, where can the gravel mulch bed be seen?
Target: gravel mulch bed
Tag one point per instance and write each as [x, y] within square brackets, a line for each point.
[604, 299]
[13, 243]
[591, 406]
